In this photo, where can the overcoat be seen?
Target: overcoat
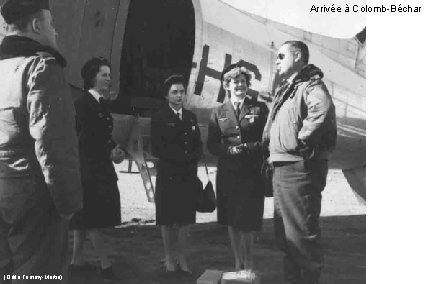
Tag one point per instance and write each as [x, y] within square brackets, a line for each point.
[101, 200]
[178, 146]
[239, 186]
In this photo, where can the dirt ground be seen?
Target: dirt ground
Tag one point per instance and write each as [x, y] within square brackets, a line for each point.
[136, 247]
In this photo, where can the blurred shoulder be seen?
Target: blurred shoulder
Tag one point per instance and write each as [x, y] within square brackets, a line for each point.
[189, 113]
[254, 102]
[43, 67]
[161, 113]
[44, 60]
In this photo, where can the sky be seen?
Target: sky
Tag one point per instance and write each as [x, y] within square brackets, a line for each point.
[297, 13]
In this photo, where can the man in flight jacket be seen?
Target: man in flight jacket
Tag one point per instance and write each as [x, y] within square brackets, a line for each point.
[40, 185]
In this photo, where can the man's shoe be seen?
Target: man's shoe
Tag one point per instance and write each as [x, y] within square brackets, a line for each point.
[107, 273]
[85, 267]
[185, 271]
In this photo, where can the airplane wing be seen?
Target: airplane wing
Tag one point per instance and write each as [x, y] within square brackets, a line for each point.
[298, 14]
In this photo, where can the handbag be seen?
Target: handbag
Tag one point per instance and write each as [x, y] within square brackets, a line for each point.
[267, 172]
[206, 199]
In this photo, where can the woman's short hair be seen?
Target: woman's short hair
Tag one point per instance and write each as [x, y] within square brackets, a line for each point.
[232, 71]
[90, 69]
[173, 80]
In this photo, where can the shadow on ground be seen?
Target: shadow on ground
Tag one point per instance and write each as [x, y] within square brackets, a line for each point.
[137, 251]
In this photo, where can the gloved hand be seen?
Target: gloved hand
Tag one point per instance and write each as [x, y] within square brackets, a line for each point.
[67, 217]
[194, 156]
[117, 155]
[235, 150]
[305, 150]
[250, 147]
[265, 97]
[267, 172]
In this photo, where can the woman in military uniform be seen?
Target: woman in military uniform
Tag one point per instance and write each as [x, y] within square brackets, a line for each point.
[234, 135]
[176, 142]
[101, 199]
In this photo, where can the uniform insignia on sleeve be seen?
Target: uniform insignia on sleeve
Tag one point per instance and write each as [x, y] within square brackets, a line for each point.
[39, 68]
[251, 117]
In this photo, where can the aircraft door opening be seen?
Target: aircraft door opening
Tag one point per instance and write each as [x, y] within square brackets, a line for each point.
[158, 41]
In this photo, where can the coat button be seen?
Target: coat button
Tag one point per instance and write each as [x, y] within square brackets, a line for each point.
[238, 137]
[237, 127]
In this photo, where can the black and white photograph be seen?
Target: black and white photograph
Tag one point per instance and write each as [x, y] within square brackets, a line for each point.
[204, 141]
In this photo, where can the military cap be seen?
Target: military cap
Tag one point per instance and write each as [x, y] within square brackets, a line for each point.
[227, 69]
[14, 10]
[174, 79]
[233, 66]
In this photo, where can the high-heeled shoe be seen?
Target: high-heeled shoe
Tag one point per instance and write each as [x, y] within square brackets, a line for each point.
[170, 266]
[183, 268]
[239, 266]
[107, 274]
[85, 267]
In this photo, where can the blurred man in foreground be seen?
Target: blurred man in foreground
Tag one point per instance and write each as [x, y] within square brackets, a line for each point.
[40, 185]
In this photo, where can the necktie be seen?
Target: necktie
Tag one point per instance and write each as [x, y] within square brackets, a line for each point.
[101, 101]
[237, 109]
[179, 115]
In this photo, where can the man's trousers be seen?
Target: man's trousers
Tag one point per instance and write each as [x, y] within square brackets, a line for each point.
[33, 237]
[297, 196]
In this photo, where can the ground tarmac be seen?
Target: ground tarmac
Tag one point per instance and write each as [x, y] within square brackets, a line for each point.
[136, 247]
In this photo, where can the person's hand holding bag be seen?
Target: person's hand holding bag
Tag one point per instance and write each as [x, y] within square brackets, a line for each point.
[117, 155]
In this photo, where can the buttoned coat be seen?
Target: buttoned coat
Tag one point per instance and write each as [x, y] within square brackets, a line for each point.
[239, 185]
[101, 194]
[94, 130]
[178, 146]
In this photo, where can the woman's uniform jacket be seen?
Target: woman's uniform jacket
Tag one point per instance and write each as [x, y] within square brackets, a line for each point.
[239, 185]
[101, 195]
[226, 130]
[177, 144]
[94, 129]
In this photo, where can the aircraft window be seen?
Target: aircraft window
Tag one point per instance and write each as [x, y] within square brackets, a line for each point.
[158, 41]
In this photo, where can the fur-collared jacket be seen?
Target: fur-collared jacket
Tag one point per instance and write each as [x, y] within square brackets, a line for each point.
[37, 123]
[302, 122]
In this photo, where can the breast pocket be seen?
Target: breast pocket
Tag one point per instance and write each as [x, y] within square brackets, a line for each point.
[294, 117]
[169, 130]
[289, 128]
[192, 126]
[228, 128]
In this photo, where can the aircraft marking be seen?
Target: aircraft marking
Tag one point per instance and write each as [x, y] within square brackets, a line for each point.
[204, 70]
[207, 71]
